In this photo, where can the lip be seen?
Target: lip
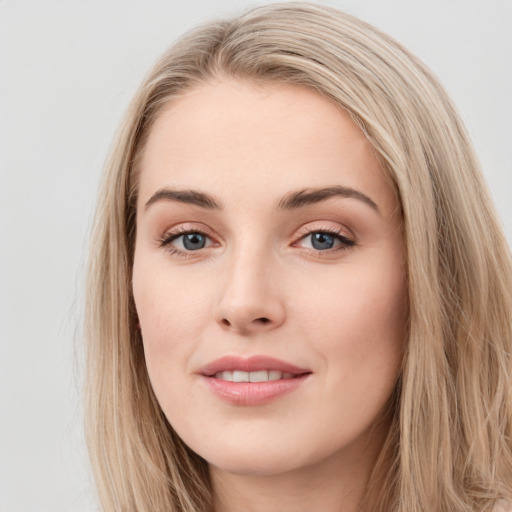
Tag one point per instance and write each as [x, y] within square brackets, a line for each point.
[252, 393]
[250, 364]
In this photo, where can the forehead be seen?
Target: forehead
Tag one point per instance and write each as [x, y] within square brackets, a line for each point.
[234, 137]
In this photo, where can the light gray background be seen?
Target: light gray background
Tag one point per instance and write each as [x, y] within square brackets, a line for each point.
[67, 71]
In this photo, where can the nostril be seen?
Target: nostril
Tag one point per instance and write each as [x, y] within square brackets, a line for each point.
[256, 321]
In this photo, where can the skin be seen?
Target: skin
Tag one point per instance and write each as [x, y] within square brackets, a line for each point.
[259, 286]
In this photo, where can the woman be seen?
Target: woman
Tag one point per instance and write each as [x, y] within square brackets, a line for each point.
[299, 294]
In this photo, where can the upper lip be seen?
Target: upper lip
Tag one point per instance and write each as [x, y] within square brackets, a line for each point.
[250, 364]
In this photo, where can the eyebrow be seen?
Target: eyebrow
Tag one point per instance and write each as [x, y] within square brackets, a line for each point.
[308, 196]
[194, 197]
[291, 201]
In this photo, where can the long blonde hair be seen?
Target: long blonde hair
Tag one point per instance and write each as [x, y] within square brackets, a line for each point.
[449, 447]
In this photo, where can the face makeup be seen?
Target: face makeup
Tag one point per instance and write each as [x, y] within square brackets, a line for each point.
[268, 280]
[253, 381]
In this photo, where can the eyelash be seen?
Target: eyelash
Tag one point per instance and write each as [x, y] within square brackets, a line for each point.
[170, 236]
[345, 243]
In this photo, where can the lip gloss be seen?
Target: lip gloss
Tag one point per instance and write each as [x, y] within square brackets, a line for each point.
[252, 393]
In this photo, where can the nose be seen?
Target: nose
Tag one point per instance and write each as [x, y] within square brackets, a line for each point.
[250, 299]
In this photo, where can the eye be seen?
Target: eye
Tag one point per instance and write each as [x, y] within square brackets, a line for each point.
[325, 240]
[322, 241]
[193, 241]
[182, 241]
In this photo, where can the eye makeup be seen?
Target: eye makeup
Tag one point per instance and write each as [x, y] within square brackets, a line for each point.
[186, 242]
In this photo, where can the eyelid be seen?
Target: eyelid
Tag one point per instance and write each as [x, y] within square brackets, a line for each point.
[171, 234]
[346, 242]
[319, 227]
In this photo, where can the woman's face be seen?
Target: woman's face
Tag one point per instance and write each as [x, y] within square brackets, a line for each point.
[268, 278]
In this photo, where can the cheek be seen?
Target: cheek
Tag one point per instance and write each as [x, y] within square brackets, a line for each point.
[360, 301]
[357, 323]
[172, 314]
[358, 335]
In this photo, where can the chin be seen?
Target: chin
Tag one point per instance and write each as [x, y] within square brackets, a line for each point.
[251, 460]
[261, 467]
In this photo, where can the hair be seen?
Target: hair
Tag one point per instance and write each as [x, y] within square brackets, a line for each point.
[449, 446]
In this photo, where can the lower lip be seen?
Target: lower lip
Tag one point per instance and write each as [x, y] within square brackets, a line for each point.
[253, 393]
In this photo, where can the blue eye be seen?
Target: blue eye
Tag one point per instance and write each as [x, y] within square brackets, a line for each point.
[322, 241]
[184, 242]
[193, 241]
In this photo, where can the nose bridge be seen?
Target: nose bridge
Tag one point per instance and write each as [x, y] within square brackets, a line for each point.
[249, 296]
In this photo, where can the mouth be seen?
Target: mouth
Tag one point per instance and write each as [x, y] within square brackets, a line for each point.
[256, 376]
[252, 381]
[253, 369]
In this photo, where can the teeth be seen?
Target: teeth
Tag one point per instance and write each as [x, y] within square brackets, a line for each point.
[259, 376]
[240, 376]
[224, 376]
